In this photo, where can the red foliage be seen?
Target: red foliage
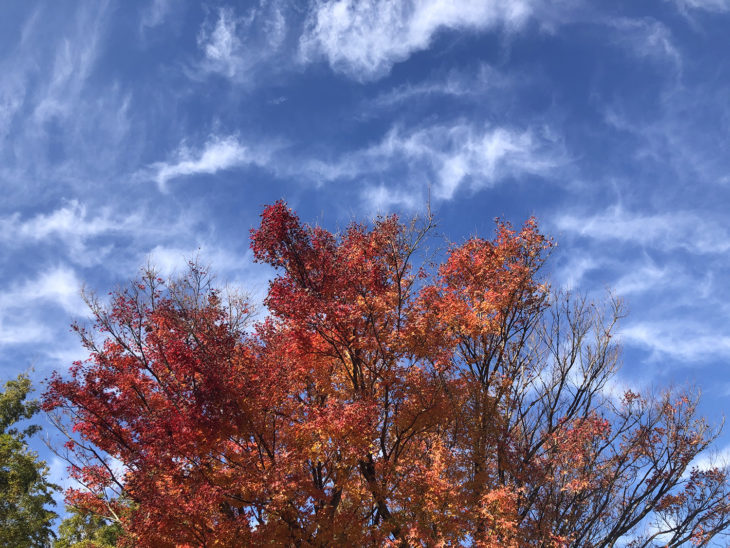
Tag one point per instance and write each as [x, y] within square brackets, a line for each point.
[374, 406]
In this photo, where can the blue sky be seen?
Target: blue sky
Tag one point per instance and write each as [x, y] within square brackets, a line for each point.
[153, 131]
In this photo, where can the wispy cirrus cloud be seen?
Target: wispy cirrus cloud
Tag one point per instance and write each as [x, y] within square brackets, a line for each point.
[97, 237]
[380, 198]
[22, 332]
[58, 285]
[83, 234]
[681, 130]
[684, 340]
[41, 83]
[233, 269]
[74, 61]
[665, 231]
[235, 45]
[26, 307]
[60, 126]
[364, 39]
[678, 313]
[706, 5]
[718, 457]
[217, 154]
[648, 277]
[473, 83]
[450, 157]
[170, 260]
[570, 274]
[646, 38]
[71, 222]
[220, 44]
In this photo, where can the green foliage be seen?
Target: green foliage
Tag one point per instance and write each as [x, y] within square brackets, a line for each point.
[24, 487]
[84, 530]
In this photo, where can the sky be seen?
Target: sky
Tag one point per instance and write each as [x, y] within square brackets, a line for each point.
[136, 133]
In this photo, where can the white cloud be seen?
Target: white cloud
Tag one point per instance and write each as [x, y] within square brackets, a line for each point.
[15, 69]
[26, 306]
[74, 61]
[171, 260]
[490, 156]
[58, 285]
[647, 38]
[642, 279]
[22, 332]
[232, 268]
[571, 274]
[459, 84]
[712, 458]
[75, 226]
[687, 133]
[221, 46]
[678, 310]
[449, 157]
[365, 38]
[706, 5]
[69, 222]
[235, 45]
[97, 237]
[66, 126]
[666, 231]
[218, 154]
[382, 199]
[62, 354]
[616, 387]
[682, 340]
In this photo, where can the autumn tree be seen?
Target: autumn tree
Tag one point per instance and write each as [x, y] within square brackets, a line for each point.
[25, 492]
[379, 403]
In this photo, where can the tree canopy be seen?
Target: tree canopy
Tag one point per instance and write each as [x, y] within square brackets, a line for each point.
[86, 530]
[379, 403]
[25, 492]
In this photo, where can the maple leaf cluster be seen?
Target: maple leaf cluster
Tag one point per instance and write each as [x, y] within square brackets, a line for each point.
[378, 404]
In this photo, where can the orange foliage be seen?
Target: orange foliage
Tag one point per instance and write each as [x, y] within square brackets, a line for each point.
[376, 405]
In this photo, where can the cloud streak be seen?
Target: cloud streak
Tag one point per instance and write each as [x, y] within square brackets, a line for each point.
[647, 38]
[61, 126]
[450, 157]
[680, 340]
[363, 39]
[235, 46]
[71, 222]
[23, 304]
[470, 84]
[715, 6]
[665, 231]
[86, 235]
[217, 154]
